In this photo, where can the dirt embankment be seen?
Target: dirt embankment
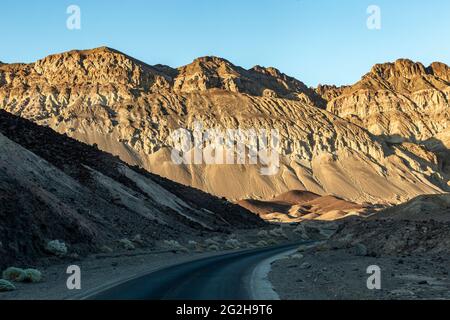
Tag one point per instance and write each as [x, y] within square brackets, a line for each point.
[411, 251]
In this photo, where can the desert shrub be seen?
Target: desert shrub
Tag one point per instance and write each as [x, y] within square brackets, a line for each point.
[5, 285]
[263, 234]
[193, 245]
[301, 230]
[14, 274]
[21, 275]
[278, 233]
[106, 249]
[213, 247]
[171, 244]
[296, 256]
[138, 239]
[126, 244]
[272, 242]
[211, 242]
[33, 275]
[261, 243]
[57, 248]
[175, 245]
[232, 244]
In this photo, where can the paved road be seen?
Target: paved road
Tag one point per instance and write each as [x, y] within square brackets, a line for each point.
[224, 277]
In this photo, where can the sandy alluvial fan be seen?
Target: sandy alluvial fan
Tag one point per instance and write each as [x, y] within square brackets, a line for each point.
[381, 140]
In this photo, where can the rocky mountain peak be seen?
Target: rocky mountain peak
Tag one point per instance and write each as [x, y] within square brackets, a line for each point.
[401, 101]
[403, 76]
[211, 61]
[217, 73]
[98, 66]
[271, 71]
[440, 70]
[400, 68]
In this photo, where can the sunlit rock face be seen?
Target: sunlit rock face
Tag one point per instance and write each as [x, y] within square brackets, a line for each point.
[379, 141]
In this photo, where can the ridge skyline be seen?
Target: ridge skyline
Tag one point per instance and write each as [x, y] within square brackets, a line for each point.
[369, 69]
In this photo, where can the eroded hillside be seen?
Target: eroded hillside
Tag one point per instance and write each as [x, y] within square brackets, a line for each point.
[350, 150]
[54, 187]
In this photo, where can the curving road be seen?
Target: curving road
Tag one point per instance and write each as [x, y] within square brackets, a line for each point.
[224, 277]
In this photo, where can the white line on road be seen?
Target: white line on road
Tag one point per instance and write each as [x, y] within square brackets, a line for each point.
[260, 286]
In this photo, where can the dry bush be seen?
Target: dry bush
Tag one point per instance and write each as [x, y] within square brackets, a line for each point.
[57, 248]
[5, 285]
[126, 244]
[232, 244]
[263, 234]
[174, 245]
[14, 274]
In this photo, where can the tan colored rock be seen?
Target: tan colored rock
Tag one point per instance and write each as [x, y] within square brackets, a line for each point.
[129, 109]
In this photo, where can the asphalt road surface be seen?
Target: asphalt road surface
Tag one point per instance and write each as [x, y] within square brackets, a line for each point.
[224, 277]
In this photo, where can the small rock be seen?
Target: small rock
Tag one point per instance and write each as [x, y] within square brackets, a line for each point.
[297, 256]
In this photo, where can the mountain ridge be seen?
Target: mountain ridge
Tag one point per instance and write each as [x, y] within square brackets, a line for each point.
[333, 138]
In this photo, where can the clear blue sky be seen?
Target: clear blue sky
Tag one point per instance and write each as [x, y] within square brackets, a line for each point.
[316, 41]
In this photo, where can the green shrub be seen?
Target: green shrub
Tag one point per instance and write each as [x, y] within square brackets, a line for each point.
[212, 242]
[126, 244]
[263, 234]
[261, 243]
[213, 247]
[22, 275]
[5, 285]
[14, 274]
[174, 245]
[33, 275]
[57, 248]
[106, 249]
[296, 256]
[232, 244]
[193, 245]
[278, 232]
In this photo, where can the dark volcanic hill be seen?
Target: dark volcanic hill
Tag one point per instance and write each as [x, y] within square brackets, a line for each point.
[54, 187]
